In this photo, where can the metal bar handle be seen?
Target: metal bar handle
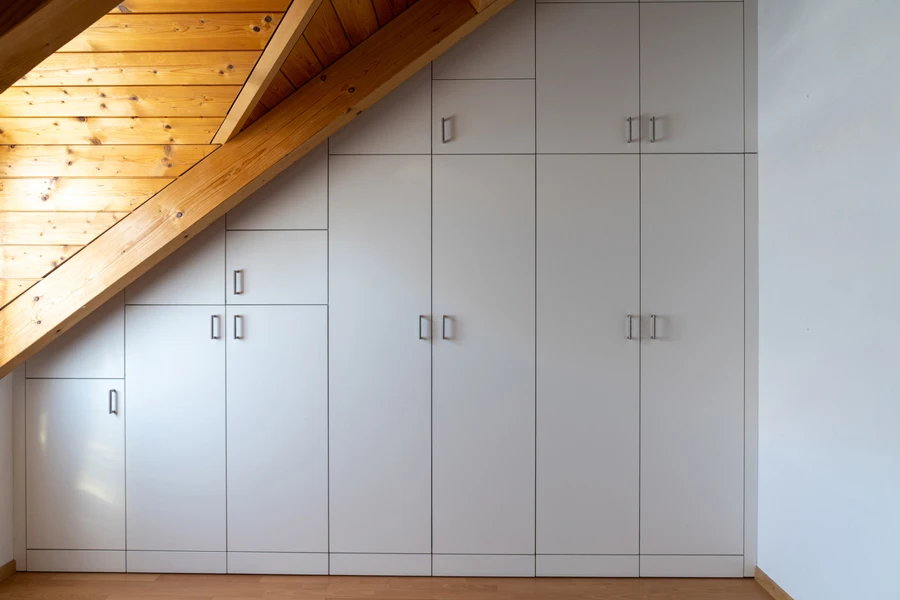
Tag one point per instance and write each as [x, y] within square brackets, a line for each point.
[424, 319]
[238, 278]
[444, 327]
[113, 402]
[215, 329]
[652, 130]
[630, 121]
[238, 326]
[629, 327]
[652, 327]
[444, 137]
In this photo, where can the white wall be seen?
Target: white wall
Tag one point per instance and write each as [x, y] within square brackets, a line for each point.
[6, 469]
[829, 504]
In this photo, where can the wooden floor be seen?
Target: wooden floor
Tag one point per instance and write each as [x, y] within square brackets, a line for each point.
[83, 586]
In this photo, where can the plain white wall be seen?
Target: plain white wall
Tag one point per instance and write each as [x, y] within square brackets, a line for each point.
[6, 469]
[829, 196]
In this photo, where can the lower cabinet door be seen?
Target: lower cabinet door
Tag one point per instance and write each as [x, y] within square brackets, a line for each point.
[175, 364]
[75, 460]
[277, 428]
[380, 363]
[588, 360]
[484, 361]
[692, 361]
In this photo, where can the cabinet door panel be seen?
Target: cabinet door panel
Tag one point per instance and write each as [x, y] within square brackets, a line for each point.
[380, 394]
[587, 52]
[277, 423]
[588, 276]
[484, 373]
[76, 464]
[176, 428]
[692, 76]
[692, 375]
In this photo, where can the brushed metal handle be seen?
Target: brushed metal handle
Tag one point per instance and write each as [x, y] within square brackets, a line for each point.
[652, 327]
[652, 130]
[424, 319]
[238, 326]
[238, 279]
[630, 121]
[629, 327]
[113, 402]
[444, 328]
[215, 327]
[444, 137]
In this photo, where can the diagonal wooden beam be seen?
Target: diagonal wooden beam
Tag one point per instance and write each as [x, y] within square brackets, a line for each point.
[218, 183]
[289, 30]
[32, 30]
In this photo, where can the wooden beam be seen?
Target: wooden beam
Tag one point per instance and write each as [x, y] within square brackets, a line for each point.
[32, 30]
[10, 289]
[214, 186]
[200, 6]
[289, 31]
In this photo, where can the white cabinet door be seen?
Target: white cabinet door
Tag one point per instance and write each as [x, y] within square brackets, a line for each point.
[94, 348]
[692, 76]
[296, 199]
[277, 267]
[194, 274]
[484, 354]
[380, 278]
[588, 84]
[75, 454]
[692, 374]
[277, 428]
[483, 117]
[175, 360]
[588, 398]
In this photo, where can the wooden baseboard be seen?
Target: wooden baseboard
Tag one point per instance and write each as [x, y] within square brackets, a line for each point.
[770, 586]
[7, 570]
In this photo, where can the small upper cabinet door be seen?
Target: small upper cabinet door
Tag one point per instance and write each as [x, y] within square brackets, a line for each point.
[587, 52]
[277, 267]
[94, 348]
[483, 117]
[75, 450]
[296, 199]
[692, 77]
[194, 274]
[502, 48]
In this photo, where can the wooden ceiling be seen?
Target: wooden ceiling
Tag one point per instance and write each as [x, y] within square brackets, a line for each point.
[134, 102]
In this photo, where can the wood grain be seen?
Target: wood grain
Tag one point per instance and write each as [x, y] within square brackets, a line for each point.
[31, 30]
[267, 68]
[258, 111]
[773, 589]
[61, 228]
[184, 6]
[65, 194]
[10, 289]
[301, 64]
[121, 586]
[358, 19]
[142, 68]
[387, 10]
[99, 161]
[215, 185]
[113, 101]
[32, 262]
[150, 32]
[108, 130]
[326, 36]
[278, 90]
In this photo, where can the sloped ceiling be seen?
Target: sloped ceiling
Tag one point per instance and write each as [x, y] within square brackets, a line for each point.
[132, 103]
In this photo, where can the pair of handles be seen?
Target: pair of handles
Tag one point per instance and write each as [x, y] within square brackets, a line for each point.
[630, 121]
[215, 327]
[425, 332]
[629, 327]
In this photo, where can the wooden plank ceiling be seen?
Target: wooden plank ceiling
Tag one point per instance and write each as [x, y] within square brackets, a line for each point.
[134, 102]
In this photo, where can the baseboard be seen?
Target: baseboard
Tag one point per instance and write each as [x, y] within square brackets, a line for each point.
[770, 586]
[7, 570]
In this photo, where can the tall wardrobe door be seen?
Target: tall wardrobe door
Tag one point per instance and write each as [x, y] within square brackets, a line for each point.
[380, 356]
[277, 423]
[588, 282]
[484, 362]
[175, 442]
[692, 379]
